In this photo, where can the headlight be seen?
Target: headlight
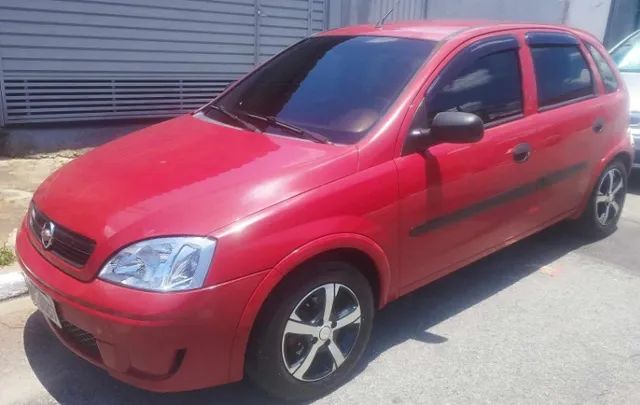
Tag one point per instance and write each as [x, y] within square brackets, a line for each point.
[162, 264]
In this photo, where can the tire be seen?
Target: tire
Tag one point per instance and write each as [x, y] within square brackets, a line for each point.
[277, 361]
[600, 217]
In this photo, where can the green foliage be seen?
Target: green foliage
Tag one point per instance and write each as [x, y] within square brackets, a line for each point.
[6, 256]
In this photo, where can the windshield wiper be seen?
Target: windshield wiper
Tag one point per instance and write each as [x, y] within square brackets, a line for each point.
[233, 116]
[301, 133]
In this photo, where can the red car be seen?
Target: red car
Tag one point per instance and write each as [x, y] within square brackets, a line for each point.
[259, 235]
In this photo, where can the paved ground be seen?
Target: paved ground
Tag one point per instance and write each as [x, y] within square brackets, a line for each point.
[549, 320]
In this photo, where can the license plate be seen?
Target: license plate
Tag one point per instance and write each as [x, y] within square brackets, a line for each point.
[44, 303]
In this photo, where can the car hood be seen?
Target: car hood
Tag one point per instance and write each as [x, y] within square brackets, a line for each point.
[632, 80]
[184, 176]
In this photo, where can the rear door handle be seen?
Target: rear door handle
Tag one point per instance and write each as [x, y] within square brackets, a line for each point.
[521, 152]
[598, 126]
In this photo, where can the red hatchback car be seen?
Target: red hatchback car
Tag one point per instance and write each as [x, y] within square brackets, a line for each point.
[258, 235]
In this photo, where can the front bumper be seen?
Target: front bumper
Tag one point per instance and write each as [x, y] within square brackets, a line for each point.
[156, 341]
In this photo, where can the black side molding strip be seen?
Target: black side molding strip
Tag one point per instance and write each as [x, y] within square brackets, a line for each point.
[503, 198]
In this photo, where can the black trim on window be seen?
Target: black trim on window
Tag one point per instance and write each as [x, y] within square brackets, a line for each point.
[493, 45]
[504, 120]
[550, 39]
[565, 103]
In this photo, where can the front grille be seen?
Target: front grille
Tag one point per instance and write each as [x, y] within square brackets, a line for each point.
[80, 338]
[69, 246]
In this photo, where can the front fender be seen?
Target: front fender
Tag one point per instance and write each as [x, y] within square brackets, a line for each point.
[287, 265]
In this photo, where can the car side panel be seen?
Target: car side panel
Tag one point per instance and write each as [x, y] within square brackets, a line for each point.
[364, 203]
[459, 200]
[614, 109]
[565, 147]
[288, 264]
[358, 212]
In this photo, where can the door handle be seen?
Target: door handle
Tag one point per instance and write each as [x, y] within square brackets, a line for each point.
[521, 152]
[598, 126]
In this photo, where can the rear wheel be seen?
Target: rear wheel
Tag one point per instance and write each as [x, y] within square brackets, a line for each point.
[312, 332]
[600, 218]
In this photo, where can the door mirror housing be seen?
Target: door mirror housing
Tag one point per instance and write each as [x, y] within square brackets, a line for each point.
[447, 127]
[457, 127]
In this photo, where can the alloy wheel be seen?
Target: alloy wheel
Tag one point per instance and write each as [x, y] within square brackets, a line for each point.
[321, 332]
[610, 196]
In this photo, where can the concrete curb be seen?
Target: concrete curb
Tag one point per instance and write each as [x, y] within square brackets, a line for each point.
[12, 283]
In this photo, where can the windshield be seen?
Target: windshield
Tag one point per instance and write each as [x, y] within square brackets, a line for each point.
[334, 86]
[627, 55]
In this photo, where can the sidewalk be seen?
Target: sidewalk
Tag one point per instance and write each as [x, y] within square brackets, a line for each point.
[18, 180]
[11, 282]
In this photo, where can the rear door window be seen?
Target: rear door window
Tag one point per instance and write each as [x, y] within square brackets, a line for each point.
[562, 74]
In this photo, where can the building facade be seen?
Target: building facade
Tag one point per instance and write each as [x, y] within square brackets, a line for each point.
[81, 60]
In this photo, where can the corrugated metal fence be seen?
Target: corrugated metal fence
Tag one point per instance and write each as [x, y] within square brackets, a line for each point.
[66, 60]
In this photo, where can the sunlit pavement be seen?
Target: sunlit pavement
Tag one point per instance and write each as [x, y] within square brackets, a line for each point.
[552, 319]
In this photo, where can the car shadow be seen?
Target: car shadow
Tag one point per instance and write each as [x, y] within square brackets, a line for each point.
[412, 316]
[68, 379]
[634, 182]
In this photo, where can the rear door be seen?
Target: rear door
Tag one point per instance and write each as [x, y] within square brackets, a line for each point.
[569, 119]
[612, 102]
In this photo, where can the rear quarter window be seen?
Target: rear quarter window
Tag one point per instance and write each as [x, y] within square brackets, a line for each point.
[562, 74]
[608, 77]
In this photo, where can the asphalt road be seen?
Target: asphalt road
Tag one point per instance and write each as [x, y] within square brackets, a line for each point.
[552, 319]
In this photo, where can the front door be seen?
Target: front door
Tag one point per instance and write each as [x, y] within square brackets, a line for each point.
[459, 201]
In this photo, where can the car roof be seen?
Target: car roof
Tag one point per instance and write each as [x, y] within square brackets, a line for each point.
[438, 30]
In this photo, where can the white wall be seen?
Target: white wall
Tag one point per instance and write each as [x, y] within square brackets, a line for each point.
[589, 15]
[550, 11]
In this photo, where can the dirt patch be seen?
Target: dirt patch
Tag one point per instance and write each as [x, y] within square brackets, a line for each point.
[19, 178]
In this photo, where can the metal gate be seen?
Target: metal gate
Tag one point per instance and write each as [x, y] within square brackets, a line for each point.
[69, 60]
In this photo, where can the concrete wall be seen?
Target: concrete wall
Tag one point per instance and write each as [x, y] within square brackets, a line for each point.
[350, 12]
[590, 15]
[551, 11]
[622, 21]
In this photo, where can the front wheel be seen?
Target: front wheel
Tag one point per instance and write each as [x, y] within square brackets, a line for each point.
[312, 332]
[601, 216]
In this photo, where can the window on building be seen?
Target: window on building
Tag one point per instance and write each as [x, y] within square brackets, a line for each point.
[490, 87]
[562, 74]
[608, 77]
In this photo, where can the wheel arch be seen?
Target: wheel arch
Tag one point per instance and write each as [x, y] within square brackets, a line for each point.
[359, 250]
[625, 158]
[619, 155]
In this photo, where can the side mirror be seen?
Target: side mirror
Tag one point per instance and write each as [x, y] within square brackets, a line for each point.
[457, 127]
[447, 127]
